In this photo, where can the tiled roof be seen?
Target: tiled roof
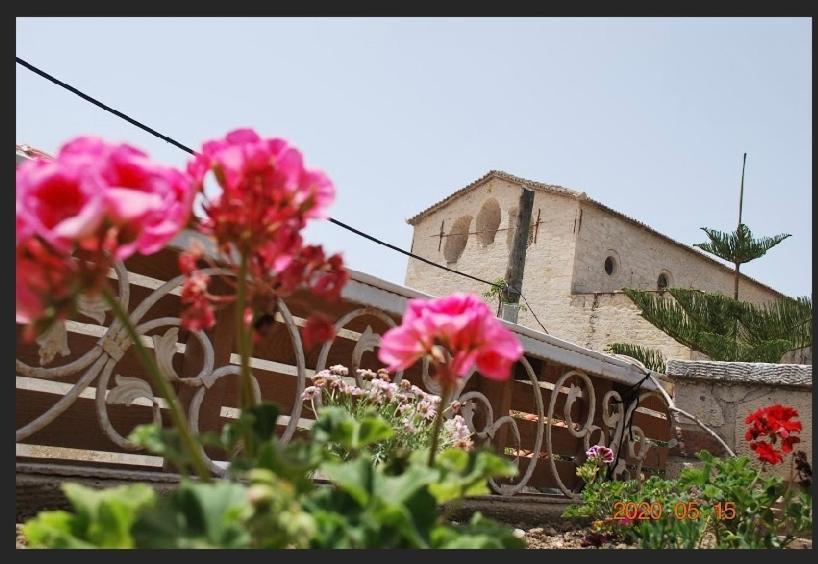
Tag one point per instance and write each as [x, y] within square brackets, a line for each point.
[33, 153]
[489, 175]
[581, 196]
[794, 375]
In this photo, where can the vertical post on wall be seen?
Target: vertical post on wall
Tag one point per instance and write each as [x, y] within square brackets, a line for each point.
[499, 393]
[516, 261]
[440, 238]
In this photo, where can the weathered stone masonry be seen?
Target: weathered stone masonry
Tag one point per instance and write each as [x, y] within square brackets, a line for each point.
[566, 281]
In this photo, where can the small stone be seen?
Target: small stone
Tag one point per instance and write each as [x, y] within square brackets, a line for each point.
[519, 533]
[551, 531]
[536, 531]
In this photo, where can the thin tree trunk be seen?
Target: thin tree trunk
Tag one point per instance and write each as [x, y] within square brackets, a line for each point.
[735, 287]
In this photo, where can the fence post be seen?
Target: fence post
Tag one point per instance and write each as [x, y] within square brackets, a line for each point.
[499, 393]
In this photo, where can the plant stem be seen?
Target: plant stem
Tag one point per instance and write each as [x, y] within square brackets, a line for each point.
[244, 346]
[149, 363]
[444, 399]
[243, 336]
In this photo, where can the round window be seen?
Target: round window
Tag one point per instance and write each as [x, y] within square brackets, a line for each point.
[610, 265]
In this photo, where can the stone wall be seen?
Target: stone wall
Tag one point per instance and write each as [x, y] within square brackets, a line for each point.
[722, 394]
[548, 268]
[641, 256]
[565, 280]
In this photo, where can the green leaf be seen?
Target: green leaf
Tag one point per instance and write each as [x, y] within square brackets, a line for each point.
[53, 529]
[264, 421]
[467, 473]
[398, 489]
[373, 430]
[355, 478]
[197, 515]
[100, 518]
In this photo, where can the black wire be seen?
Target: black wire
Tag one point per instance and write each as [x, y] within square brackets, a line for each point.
[99, 104]
[187, 149]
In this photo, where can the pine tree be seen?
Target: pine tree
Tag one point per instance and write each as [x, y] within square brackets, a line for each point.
[724, 328]
[738, 247]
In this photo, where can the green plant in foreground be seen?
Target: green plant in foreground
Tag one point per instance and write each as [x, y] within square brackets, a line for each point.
[723, 503]
[270, 499]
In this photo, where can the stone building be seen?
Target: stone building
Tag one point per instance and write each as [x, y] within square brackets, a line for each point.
[580, 255]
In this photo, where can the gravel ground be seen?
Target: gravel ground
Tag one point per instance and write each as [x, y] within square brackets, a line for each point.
[564, 536]
[569, 537]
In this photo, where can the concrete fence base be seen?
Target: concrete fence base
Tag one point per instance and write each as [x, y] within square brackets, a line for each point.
[722, 394]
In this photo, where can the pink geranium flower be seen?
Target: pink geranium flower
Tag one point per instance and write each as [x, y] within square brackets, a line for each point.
[460, 323]
[267, 197]
[95, 199]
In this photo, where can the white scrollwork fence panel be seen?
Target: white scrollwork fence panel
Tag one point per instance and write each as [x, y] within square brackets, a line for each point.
[98, 365]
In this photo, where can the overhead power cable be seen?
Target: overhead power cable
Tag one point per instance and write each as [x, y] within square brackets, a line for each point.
[190, 151]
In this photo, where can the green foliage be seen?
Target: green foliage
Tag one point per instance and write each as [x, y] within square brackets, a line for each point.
[498, 291]
[271, 500]
[756, 524]
[651, 358]
[388, 420]
[197, 516]
[349, 435]
[740, 246]
[479, 532]
[724, 502]
[100, 518]
[727, 329]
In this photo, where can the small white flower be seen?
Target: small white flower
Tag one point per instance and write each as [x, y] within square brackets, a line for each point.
[339, 370]
[418, 392]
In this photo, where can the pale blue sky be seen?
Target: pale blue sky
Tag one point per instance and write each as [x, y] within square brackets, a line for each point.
[649, 116]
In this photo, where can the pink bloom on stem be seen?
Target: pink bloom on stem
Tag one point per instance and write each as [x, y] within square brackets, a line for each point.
[464, 325]
[267, 197]
[60, 202]
[197, 311]
[600, 453]
[98, 199]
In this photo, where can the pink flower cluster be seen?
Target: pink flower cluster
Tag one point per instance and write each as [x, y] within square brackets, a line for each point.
[459, 434]
[95, 201]
[464, 326]
[411, 409]
[600, 454]
[267, 197]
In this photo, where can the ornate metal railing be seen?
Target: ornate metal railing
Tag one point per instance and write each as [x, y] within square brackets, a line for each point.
[80, 390]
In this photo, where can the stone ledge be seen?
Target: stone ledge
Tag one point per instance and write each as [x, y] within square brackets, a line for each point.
[791, 375]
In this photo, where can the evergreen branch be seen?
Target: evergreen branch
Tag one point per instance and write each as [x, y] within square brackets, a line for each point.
[726, 329]
[652, 359]
[738, 247]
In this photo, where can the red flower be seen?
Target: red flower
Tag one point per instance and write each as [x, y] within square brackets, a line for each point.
[318, 329]
[197, 312]
[766, 453]
[772, 423]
